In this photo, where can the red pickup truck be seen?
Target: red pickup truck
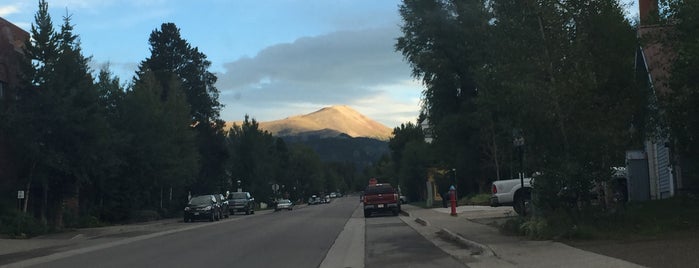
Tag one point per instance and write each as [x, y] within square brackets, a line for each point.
[380, 197]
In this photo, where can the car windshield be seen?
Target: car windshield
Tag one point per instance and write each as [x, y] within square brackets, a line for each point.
[200, 200]
[284, 201]
[238, 195]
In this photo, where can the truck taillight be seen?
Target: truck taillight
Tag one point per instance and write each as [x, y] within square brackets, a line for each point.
[495, 189]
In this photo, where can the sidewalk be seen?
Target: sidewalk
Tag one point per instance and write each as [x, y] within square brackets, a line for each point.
[484, 246]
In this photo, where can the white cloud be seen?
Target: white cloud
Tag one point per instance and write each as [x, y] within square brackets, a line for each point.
[357, 68]
[6, 10]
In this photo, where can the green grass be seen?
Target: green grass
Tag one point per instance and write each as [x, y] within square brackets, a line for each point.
[635, 221]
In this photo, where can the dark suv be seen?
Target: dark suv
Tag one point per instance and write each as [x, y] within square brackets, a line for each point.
[241, 201]
[201, 207]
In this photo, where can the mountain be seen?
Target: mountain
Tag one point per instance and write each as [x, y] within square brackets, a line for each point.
[330, 121]
[338, 134]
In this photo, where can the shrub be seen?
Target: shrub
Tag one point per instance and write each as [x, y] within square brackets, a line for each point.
[20, 225]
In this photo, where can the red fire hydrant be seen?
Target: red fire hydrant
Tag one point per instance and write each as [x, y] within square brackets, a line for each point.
[452, 197]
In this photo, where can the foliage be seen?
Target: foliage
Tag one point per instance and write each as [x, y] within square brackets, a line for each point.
[680, 102]
[636, 221]
[494, 70]
[172, 57]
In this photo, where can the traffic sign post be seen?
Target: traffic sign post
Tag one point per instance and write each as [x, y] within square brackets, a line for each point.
[20, 196]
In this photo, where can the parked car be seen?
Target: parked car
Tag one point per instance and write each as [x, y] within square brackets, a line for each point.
[201, 207]
[222, 205]
[284, 204]
[313, 200]
[241, 202]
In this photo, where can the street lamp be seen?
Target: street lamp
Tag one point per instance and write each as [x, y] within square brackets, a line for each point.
[239, 188]
[455, 184]
[518, 143]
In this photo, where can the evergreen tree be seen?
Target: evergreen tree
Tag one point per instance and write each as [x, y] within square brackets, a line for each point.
[172, 55]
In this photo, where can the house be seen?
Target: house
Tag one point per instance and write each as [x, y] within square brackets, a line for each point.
[653, 60]
[12, 39]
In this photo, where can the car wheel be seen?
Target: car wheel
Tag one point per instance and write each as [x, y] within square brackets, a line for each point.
[367, 214]
[252, 211]
[185, 219]
[395, 212]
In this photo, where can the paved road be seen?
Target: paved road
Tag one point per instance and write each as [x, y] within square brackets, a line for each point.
[298, 238]
[330, 235]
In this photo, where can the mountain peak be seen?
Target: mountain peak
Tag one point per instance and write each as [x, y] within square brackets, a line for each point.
[333, 119]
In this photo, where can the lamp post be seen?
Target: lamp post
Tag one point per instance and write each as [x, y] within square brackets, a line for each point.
[455, 186]
[427, 130]
[239, 188]
[518, 143]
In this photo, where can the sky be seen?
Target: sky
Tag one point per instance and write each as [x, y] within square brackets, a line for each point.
[273, 59]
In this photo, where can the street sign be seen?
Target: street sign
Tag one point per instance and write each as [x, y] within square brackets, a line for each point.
[20, 194]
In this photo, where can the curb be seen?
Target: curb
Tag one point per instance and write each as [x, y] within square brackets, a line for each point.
[422, 222]
[404, 213]
[475, 247]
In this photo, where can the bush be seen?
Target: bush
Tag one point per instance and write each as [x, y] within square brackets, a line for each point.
[20, 225]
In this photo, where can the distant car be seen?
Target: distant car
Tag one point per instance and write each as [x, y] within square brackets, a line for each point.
[313, 200]
[201, 207]
[333, 195]
[241, 201]
[284, 204]
[222, 205]
[326, 199]
[403, 199]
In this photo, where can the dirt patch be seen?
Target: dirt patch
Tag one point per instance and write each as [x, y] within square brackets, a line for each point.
[677, 249]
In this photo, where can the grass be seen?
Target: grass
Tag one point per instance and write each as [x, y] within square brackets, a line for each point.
[637, 220]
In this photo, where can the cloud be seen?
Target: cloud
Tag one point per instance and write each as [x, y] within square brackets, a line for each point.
[345, 67]
[7, 10]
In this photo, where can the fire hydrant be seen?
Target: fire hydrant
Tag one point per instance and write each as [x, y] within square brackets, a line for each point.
[452, 197]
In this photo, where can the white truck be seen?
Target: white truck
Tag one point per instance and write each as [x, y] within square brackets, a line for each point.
[518, 193]
[512, 193]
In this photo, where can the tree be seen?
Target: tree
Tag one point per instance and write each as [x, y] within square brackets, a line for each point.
[443, 42]
[63, 128]
[172, 55]
[679, 103]
[160, 149]
[493, 68]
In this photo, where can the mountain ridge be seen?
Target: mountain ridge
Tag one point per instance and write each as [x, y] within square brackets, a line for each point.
[328, 121]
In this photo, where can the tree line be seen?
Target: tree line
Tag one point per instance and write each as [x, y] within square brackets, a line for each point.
[90, 149]
[547, 87]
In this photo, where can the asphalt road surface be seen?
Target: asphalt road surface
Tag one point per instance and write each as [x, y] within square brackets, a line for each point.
[392, 243]
[302, 237]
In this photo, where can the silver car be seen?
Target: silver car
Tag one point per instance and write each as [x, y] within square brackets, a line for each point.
[284, 204]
